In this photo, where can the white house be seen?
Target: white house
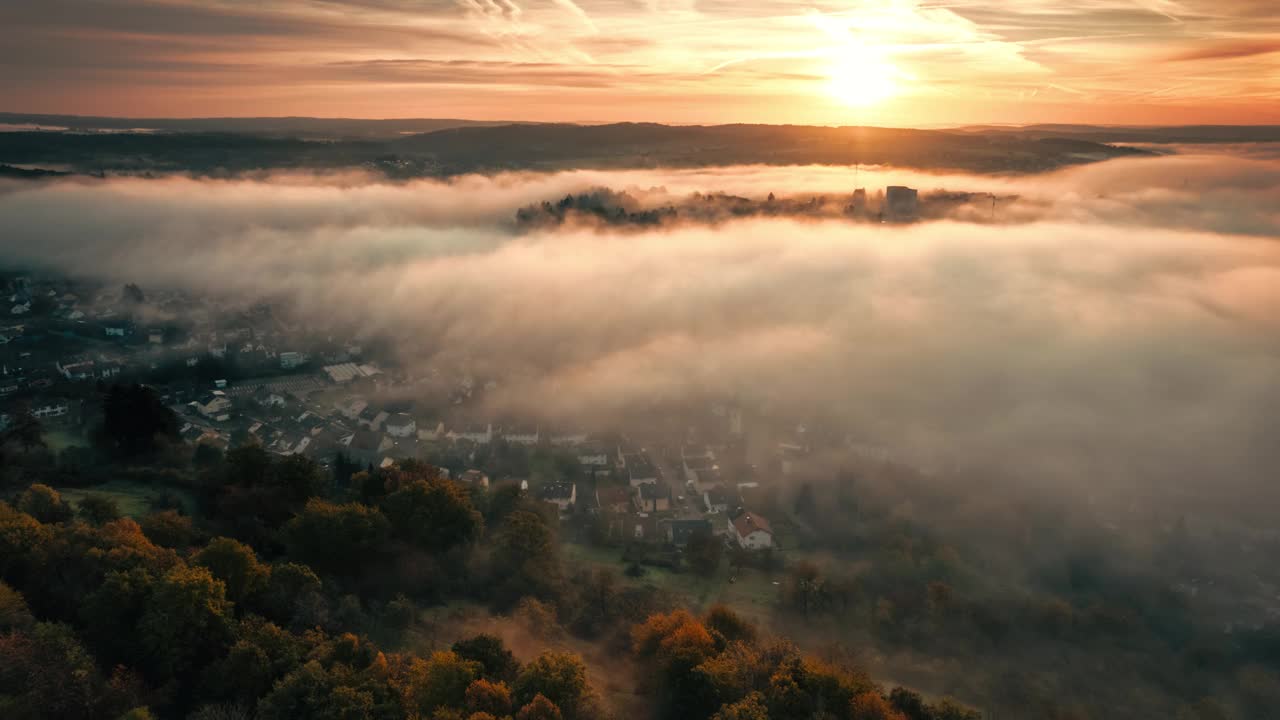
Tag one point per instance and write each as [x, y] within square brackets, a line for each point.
[478, 433]
[561, 494]
[50, 410]
[522, 435]
[593, 455]
[351, 407]
[213, 405]
[77, 368]
[400, 425]
[751, 531]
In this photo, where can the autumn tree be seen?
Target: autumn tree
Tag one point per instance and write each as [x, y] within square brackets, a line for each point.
[187, 621]
[434, 514]
[559, 676]
[496, 661]
[751, 707]
[235, 564]
[339, 538]
[97, 509]
[525, 558]
[485, 696]
[168, 528]
[44, 504]
[440, 681]
[539, 708]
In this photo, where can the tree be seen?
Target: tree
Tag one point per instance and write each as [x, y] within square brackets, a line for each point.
[167, 528]
[525, 558]
[732, 626]
[484, 696]
[539, 708]
[289, 587]
[23, 541]
[98, 509]
[135, 422]
[263, 653]
[187, 622]
[440, 681]
[496, 661]
[751, 707]
[559, 676]
[47, 673]
[338, 538]
[704, 552]
[44, 504]
[872, 705]
[25, 430]
[14, 614]
[236, 565]
[434, 515]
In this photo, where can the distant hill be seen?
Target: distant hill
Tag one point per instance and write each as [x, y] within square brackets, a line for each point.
[514, 146]
[554, 146]
[298, 127]
[1137, 134]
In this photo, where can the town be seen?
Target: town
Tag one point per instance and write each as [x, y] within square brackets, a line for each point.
[248, 375]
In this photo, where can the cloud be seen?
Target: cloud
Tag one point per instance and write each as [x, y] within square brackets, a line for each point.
[1229, 50]
[1124, 330]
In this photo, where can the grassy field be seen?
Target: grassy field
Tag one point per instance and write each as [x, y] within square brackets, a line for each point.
[61, 439]
[132, 497]
[750, 592]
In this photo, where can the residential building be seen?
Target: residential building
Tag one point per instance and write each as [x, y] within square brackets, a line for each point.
[654, 497]
[561, 494]
[678, 531]
[751, 531]
[400, 425]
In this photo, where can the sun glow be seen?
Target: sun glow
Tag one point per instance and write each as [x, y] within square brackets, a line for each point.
[860, 76]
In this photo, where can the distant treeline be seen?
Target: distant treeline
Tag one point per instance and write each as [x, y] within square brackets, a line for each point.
[455, 150]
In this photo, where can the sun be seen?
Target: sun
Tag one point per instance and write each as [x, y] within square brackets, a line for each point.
[859, 76]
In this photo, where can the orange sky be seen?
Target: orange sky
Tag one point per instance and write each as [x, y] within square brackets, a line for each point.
[885, 62]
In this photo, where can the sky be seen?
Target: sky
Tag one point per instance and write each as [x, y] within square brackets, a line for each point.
[885, 62]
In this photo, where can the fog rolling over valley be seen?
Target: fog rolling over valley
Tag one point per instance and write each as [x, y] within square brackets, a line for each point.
[1110, 325]
[1011, 440]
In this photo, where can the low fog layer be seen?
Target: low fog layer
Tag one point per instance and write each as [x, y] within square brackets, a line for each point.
[1121, 324]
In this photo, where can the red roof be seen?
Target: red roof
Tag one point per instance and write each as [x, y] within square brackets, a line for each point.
[746, 523]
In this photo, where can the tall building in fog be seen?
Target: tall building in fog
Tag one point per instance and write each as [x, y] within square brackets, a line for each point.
[858, 203]
[901, 203]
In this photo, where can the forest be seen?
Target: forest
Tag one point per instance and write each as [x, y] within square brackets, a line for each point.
[265, 586]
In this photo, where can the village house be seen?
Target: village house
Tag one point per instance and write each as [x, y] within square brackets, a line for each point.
[350, 408]
[213, 405]
[521, 435]
[560, 494]
[479, 433]
[400, 425]
[640, 471]
[751, 531]
[474, 477]
[77, 367]
[367, 447]
[49, 409]
[593, 456]
[653, 497]
[719, 499]
[679, 530]
[614, 498]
